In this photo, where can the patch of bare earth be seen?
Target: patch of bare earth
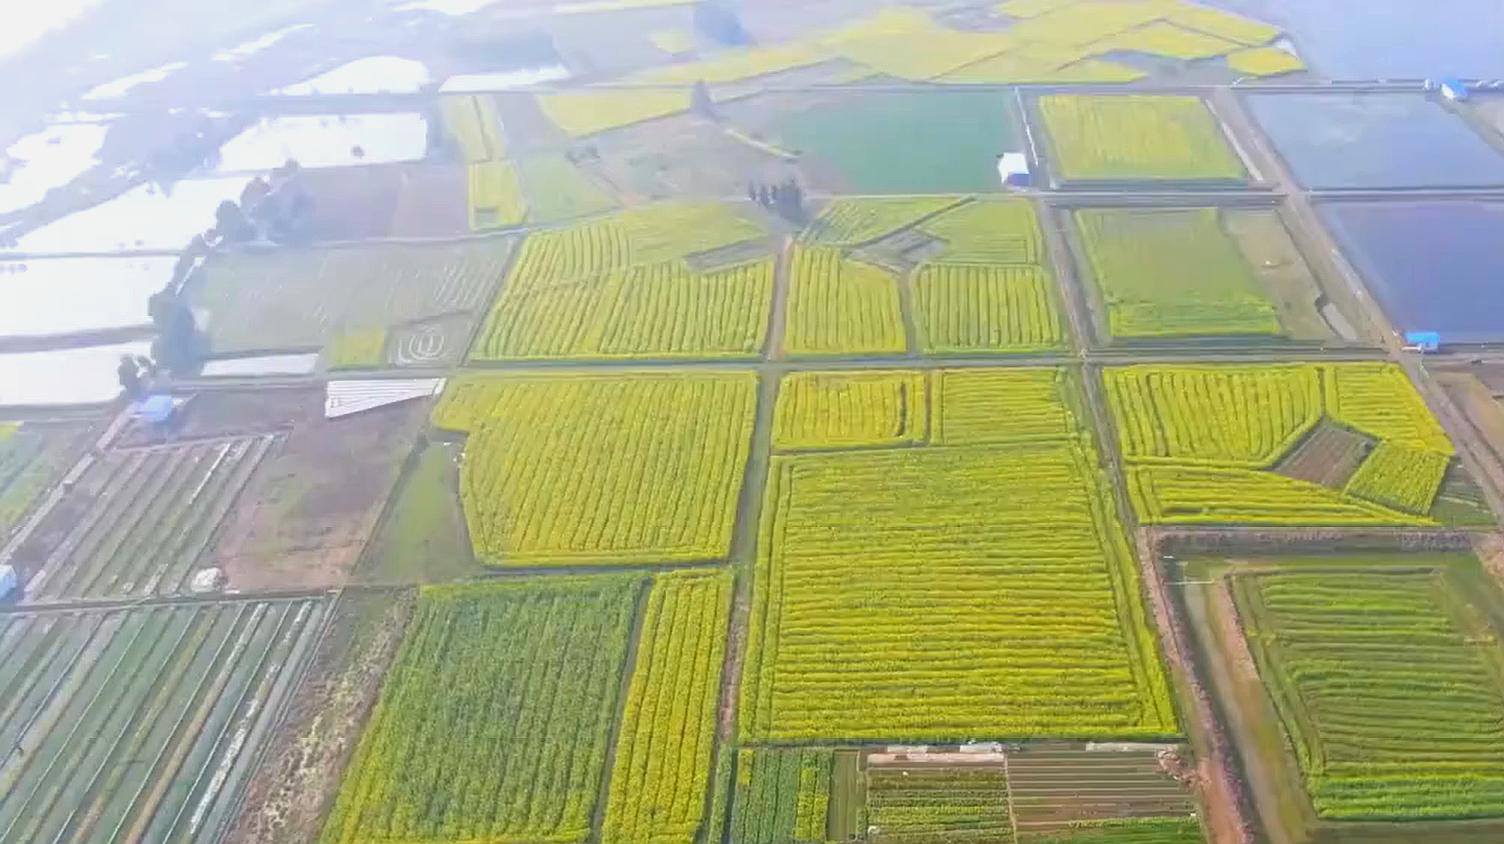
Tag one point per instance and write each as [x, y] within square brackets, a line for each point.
[1329, 456]
[293, 789]
[312, 506]
[1490, 549]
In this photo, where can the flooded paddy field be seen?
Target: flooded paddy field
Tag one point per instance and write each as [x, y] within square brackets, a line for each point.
[148, 217]
[1340, 141]
[1434, 266]
[85, 375]
[1354, 39]
[60, 296]
[48, 159]
[326, 140]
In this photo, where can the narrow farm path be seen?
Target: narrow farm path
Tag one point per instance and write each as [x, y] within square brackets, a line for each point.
[1229, 817]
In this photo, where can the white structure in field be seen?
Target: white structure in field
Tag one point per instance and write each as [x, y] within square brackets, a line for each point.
[1013, 169]
[343, 398]
[7, 581]
[207, 580]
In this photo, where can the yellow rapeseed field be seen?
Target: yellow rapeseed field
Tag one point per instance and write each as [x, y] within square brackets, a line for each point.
[576, 468]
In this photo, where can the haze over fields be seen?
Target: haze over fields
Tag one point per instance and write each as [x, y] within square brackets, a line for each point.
[751, 422]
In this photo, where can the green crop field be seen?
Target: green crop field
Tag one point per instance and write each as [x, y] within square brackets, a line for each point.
[581, 468]
[1388, 683]
[557, 189]
[988, 232]
[988, 288]
[973, 272]
[138, 522]
[782, 796]
[32, 458]
[498, 719]
[928, 142]
[920, 806]
[452, 705]
[1172, 273]
[297, 299]
[894, 565]
[1203, 444]
[138, 724]
[1124, 138]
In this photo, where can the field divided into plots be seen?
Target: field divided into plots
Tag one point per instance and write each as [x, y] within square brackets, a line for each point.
[136, 724]
[1208, 444]
[885, 576]
[1031, 793]
[139, 520]
[1365, 689]
[974, 271]
[1057, 790]
[1176, 272]
[582, 468]
[305, 298]
[1389, 686]
[671, 280]
[552, 665]
[938, 805]
[32, 458]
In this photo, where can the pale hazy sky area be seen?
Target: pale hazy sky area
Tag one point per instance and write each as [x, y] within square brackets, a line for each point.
[24, 21]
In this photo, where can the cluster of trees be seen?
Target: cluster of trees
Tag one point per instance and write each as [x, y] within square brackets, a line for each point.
[785, 199]
[277, 208]
[717, 20]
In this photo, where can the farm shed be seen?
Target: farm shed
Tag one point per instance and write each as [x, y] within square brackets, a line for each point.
[1013, 169]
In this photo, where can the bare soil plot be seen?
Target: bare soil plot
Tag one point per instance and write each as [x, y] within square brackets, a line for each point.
[387, 200]
[1328, 455]
[307, 514]
[433, 202]
[1055, 786]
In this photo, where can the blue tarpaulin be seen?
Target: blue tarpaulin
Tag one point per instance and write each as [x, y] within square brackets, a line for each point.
[1428, 341]
[155, 409]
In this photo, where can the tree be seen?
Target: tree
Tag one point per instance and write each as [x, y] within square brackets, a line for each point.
[129, 373]
[231, 223]
[178, 347]
[700, 101]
